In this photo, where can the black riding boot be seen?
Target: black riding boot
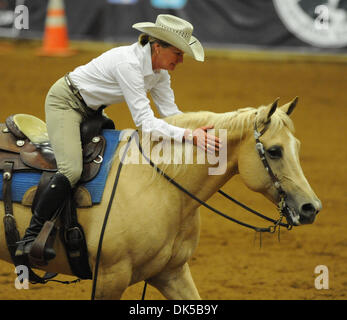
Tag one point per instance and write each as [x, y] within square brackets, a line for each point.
[50, 197]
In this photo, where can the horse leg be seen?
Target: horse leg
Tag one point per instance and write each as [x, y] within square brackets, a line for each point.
[176, 284]
[112, 282]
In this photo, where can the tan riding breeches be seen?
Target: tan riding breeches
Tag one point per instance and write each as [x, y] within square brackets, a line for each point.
[64, 114]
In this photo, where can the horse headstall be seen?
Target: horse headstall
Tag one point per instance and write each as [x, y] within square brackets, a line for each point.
[282, 206]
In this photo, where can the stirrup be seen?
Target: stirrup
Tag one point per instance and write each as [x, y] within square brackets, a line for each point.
[42, 251]
[22, 248]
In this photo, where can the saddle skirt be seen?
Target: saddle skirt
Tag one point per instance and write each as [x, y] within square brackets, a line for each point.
[21, 149]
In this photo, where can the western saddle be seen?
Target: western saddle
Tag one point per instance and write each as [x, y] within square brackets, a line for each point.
[24, 141]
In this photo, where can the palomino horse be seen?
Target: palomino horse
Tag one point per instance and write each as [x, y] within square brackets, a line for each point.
[153, 228]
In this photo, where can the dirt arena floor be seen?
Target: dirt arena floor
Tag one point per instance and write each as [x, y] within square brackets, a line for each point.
[229, 263]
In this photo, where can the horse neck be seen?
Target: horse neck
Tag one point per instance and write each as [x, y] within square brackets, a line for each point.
[197, 178]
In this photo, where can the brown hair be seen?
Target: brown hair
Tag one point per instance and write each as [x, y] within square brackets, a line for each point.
[145, 38]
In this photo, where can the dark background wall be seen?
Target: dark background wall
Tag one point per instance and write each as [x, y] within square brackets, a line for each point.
[216, 22]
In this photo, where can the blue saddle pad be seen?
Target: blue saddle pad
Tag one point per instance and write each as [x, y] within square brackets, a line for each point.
[22, 181]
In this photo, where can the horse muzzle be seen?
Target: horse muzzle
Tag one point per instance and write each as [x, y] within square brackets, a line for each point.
[309, 211]
[305, 213]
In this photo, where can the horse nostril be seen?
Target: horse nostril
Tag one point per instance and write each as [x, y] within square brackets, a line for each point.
[308, 209]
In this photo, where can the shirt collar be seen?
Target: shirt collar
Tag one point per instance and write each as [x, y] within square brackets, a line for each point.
[147, 61]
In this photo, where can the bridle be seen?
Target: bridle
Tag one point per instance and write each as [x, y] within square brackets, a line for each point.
[282, 205]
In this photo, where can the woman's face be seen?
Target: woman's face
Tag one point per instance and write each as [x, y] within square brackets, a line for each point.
[166, 58]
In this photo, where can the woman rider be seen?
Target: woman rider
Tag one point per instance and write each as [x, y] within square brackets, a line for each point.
[122, 73]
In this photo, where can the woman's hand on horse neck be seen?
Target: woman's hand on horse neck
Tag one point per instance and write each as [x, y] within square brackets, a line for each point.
[202, 139]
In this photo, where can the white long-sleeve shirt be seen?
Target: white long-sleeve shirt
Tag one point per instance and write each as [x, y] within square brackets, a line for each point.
[125, 74]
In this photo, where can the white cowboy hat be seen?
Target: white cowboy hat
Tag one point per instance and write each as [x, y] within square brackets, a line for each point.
[175, 31]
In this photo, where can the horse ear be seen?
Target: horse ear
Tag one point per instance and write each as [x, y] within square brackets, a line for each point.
[289, 107]
[271, 109]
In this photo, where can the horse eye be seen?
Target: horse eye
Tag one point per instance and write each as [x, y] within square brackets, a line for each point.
[275, 152]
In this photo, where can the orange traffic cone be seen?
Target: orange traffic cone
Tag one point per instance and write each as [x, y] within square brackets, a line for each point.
[55, 42]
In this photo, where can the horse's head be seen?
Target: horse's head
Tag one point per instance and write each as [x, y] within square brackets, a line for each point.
[273, 130]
